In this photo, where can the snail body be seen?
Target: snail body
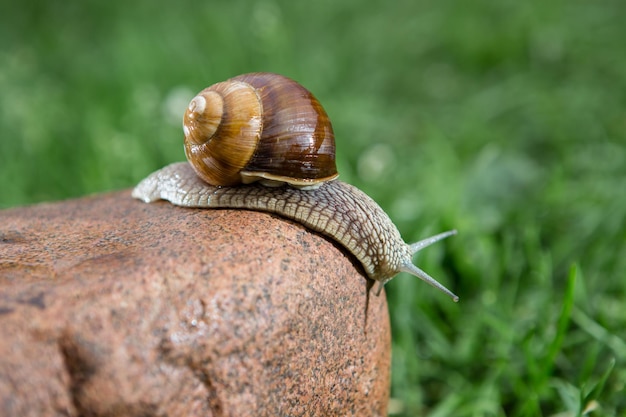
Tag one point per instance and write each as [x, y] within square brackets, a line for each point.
[335, 209]
[312, 196]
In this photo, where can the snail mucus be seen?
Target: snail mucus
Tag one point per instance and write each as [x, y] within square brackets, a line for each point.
[263, 142]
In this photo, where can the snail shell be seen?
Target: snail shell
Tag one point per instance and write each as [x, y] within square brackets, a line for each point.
[259, 126]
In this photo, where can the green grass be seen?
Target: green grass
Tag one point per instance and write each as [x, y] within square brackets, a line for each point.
[503, 119]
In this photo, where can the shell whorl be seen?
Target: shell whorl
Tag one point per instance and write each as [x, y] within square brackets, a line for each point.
[259, 126]
[222, 127]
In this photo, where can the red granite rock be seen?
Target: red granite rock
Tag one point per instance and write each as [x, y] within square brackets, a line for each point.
[113, 307]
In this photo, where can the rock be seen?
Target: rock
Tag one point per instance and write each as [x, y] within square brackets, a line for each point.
[113, 307]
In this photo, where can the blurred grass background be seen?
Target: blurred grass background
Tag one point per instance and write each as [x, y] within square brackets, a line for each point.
[503, 119]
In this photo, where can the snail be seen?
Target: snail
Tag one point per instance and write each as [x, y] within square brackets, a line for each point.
[263, 142]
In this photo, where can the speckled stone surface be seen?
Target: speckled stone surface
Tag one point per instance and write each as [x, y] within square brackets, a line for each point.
[113, 307]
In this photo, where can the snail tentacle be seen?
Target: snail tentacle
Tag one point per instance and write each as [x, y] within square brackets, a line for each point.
[417, 246]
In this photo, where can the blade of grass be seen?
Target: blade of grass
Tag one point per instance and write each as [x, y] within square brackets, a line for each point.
[594, 393]
[564, 319]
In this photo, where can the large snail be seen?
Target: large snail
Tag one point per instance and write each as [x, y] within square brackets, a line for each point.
[246, 137]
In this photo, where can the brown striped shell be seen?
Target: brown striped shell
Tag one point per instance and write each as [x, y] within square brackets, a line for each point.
[259, 127]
